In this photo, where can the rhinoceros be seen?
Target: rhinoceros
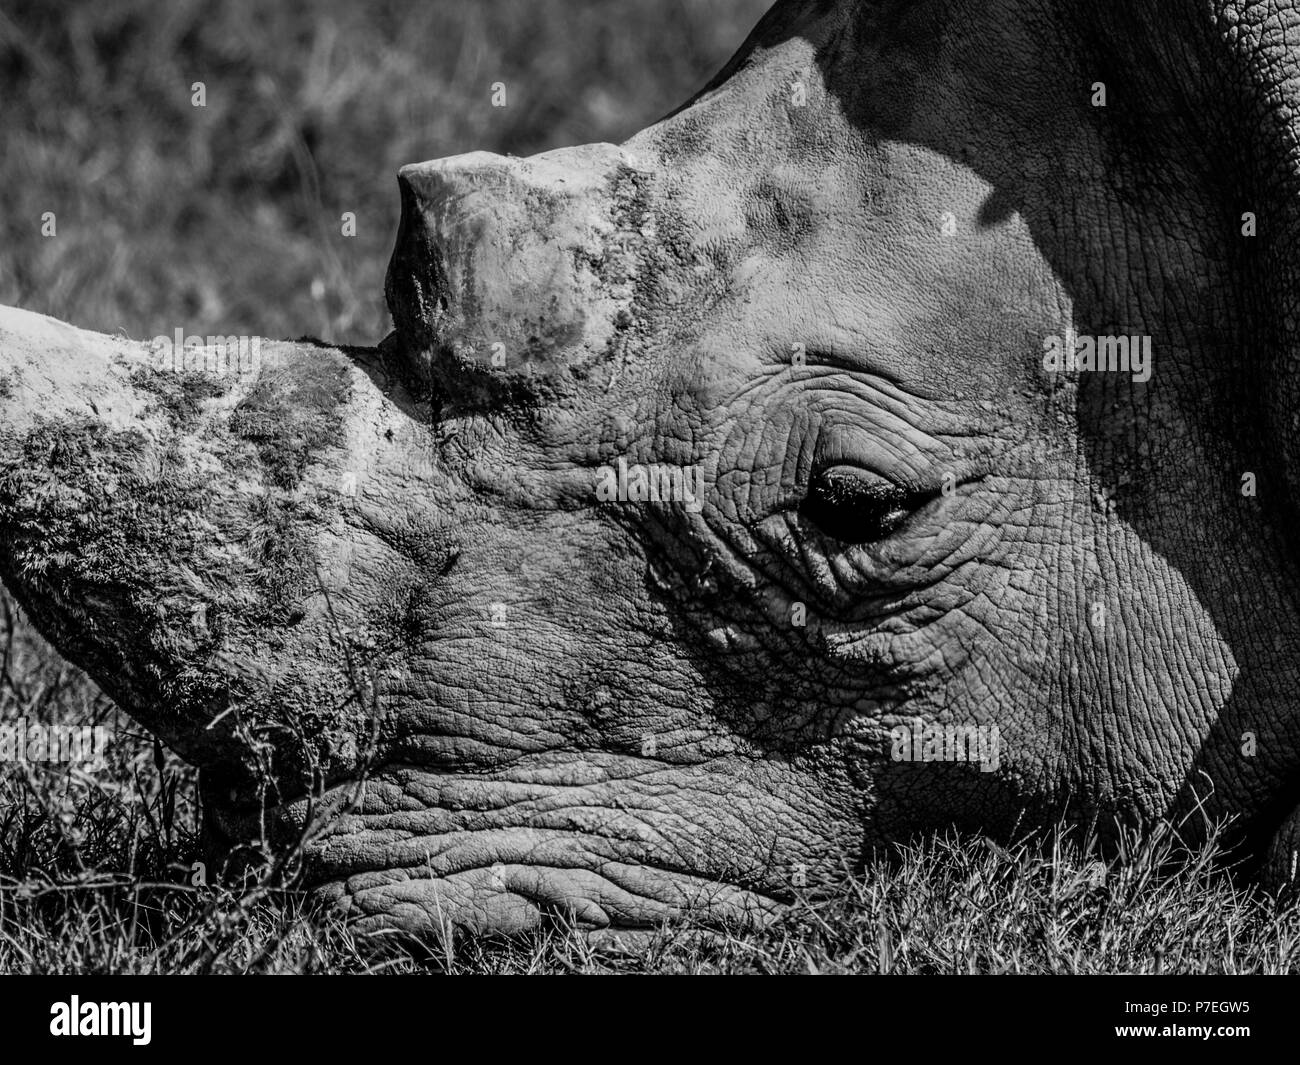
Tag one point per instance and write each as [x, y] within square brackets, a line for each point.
[901, 435]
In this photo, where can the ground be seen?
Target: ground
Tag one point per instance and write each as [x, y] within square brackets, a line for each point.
[130, 210]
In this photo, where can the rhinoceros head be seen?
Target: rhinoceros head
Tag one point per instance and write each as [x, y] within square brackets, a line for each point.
[896, 437]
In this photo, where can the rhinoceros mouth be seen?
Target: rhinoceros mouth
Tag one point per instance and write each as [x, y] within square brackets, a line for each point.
[512, 896]
[422, 851]
[514, 879]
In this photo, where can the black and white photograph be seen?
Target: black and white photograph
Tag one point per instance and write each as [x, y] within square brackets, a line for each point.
[650, 487]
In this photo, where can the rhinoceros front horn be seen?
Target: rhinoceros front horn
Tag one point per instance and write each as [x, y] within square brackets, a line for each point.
[210, 541]
[509, 272]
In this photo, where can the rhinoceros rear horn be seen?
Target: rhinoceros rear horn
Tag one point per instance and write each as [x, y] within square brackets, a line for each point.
[509, 273]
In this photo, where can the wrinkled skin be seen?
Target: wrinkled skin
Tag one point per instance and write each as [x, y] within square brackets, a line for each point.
[845, 254]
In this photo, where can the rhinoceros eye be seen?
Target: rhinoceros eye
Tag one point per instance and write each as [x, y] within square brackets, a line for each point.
[855, 506]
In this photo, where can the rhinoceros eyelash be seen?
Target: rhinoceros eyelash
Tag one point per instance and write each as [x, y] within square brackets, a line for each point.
[855, 505]
[825, 359]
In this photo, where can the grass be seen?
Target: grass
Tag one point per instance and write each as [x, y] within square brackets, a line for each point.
[226, 219]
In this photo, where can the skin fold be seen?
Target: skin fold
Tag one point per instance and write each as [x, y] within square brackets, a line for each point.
[382, 594]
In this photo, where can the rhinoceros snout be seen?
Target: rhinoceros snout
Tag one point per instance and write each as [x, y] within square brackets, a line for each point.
[510, 269]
